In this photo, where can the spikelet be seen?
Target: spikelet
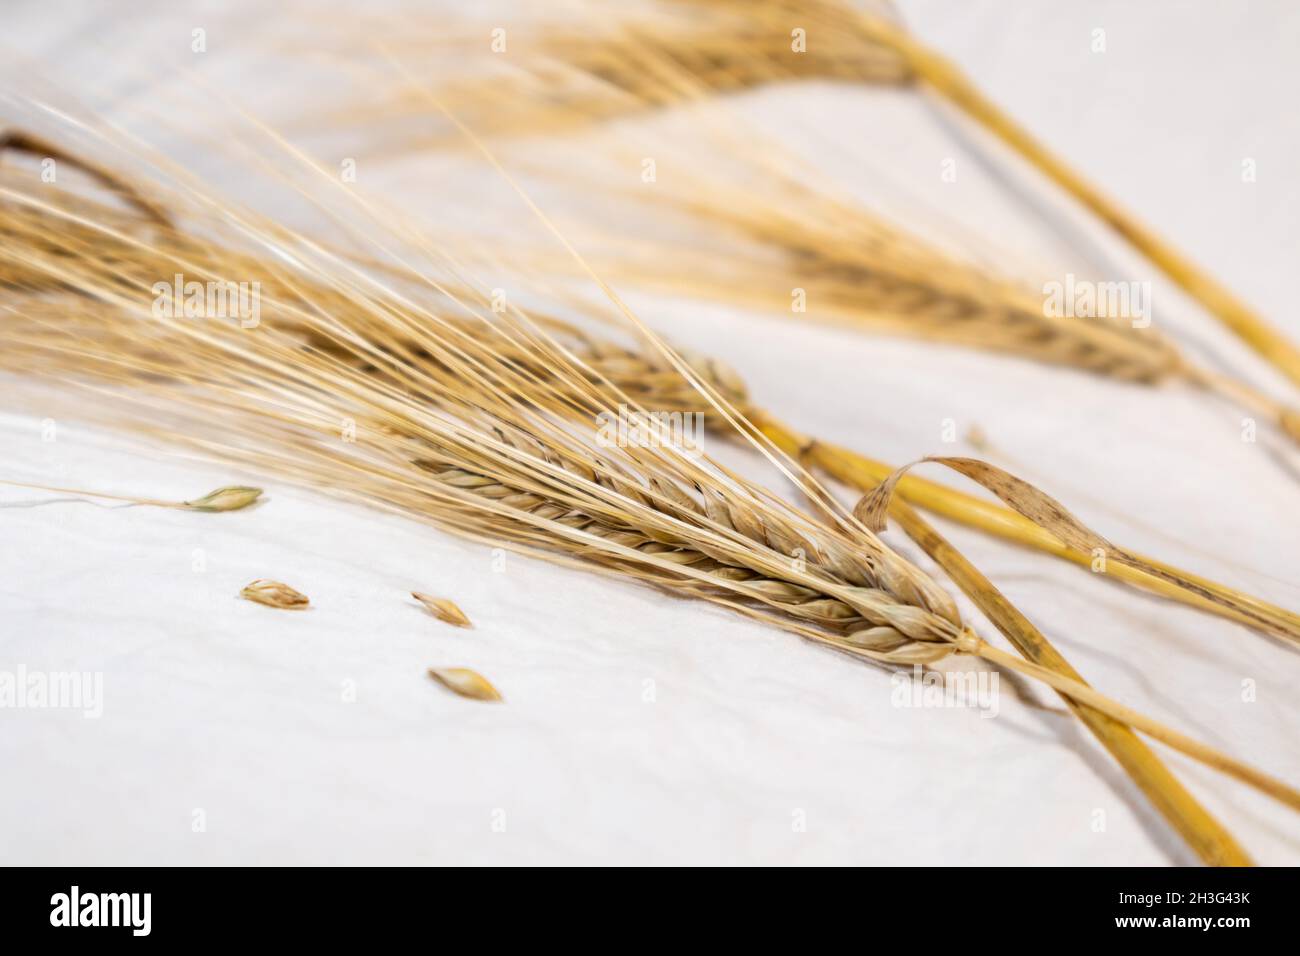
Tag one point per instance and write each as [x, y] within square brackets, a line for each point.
[465, 682]
[275, 594]
[444, 610]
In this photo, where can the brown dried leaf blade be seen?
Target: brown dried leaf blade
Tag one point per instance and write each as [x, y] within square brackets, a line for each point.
[1050, 515]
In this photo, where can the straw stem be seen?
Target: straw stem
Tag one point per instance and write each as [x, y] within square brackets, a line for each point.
[1202, 832]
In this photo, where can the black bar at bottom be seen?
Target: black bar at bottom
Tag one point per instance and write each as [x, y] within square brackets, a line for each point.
[335, 906]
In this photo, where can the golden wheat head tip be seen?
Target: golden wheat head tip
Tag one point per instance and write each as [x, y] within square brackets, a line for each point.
[443, 609]
[275, 594]
[229, 498]
[465, 682]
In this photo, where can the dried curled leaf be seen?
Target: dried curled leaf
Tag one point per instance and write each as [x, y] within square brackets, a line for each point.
[1052, 516]
[443, 609]
[1040, 508]
[465, 682]
[275, 594]
[229, 498]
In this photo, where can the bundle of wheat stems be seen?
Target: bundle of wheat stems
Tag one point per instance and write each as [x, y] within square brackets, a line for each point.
[480, 422]
[641, 375]
[852, 266]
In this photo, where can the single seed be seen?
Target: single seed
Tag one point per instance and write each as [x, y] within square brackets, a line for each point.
[229, 498]
[465, 682]
[275, 594]
[444, 609]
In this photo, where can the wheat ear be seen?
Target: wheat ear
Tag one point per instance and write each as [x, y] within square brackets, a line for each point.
[946, 80]
[856, 270]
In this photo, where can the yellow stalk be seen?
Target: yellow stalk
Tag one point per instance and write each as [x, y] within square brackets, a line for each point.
[1257, 779]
